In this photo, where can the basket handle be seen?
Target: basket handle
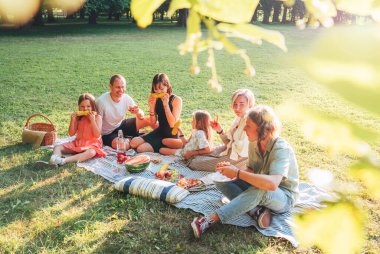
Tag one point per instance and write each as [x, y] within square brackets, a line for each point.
[34, 115]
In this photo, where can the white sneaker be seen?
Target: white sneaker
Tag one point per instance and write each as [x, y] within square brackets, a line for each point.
[56, 160]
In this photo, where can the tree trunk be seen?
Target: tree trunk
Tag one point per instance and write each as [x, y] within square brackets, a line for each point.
[38, 20]
[276, 11]
[284, 15]
[254, 17]
[117, 16]
[82, 13]
[162, 15]
[182, 17]
[50, 15]
[92, 18]
[70, 16]
[267, 8]
[4, 17]
[110, 13]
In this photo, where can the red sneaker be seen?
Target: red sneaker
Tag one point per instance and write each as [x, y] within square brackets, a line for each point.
[200, 225]
[263, 216]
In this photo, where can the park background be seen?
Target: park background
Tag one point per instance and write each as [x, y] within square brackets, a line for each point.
[47, 63]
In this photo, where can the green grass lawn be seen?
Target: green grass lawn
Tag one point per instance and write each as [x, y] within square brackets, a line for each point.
[44, 70]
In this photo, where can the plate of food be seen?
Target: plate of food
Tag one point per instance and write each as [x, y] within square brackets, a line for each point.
[191, 184]
[168, 174]
[218, 177]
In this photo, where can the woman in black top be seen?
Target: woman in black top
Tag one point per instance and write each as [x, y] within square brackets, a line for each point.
[166, 110]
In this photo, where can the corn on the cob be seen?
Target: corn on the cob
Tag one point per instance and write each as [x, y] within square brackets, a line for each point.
[175, 128]
[158, 95]
[85, 113]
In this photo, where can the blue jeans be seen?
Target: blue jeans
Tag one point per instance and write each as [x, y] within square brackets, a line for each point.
[245, 197]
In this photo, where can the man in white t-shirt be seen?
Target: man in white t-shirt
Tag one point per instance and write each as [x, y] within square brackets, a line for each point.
[113, 106]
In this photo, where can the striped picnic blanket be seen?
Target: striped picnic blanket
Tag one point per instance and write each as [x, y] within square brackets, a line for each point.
[207, 201]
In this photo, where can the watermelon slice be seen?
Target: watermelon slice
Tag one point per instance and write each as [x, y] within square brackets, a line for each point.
[137, 163]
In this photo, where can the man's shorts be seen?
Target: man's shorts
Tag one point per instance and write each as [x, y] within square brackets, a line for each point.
[129, 130]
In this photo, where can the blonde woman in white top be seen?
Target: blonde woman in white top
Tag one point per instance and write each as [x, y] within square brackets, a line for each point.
[235, 148]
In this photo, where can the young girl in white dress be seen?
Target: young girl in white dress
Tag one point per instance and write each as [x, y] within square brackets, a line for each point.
[200, 141]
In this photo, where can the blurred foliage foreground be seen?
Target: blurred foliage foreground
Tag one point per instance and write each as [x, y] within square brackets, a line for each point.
[347, 63]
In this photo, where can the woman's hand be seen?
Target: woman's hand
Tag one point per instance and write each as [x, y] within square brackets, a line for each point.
[216, 126]
[165, 100]
[152, 103]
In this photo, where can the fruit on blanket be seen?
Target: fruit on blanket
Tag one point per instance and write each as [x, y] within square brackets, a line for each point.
[161, 172]
[121, 157]
[175, 128]
[158, 95]
[84, 113]
[137, 163]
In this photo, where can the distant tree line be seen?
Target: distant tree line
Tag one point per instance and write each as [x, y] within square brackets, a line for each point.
[268, 11]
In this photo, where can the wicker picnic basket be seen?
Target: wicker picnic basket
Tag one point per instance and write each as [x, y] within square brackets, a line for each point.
[51, 131]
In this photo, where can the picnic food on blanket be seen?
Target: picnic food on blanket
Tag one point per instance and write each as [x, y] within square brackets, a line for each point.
[222, 164]
[137, 163]
[188, 183]
[167, 174]
[156, 160]
[176, 126]
[121, 157]
[85, 113]
[158, 95]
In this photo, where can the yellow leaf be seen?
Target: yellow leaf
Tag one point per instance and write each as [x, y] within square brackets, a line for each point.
[193, 24]
[178, 4]
[369, 173]
[362, 7]
[347, 61]
[337, 228]
[253, 34]
[142, 11]
[226, 10]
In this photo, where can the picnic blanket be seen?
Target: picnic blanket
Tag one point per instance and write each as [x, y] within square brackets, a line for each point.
[207, 201]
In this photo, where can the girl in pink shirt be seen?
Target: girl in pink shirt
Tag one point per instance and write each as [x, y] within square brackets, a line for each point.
[87, 128]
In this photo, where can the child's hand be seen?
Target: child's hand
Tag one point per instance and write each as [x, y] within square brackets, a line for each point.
[91, 115]
[74, 115]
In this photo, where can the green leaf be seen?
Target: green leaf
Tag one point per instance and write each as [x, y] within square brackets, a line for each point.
[333, 132]
[369, 173]
[253, 34]
[338, 228]
[347, 61]
[142, 11]
[226, 10]
[178, 4]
